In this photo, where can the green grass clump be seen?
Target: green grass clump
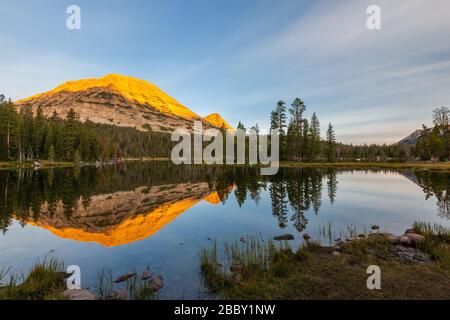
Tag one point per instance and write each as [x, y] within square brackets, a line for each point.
[45, 281]
[436, 242]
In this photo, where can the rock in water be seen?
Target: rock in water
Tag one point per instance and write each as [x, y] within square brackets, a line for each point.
[284, 237]
[146, 275]
[156, 284]
[243, 240]
[79, 294]
[375, 227]
[121, 294]
[125, 277]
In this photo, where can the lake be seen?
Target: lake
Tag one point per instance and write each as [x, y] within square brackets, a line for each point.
[156, 215]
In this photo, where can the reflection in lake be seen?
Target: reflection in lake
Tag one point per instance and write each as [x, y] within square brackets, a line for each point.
[156, 214]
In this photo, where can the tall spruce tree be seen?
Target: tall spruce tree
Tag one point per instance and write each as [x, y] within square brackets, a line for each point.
[330, 144]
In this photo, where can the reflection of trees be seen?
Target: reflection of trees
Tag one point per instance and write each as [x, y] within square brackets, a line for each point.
[277, 191]
[435, 184]
[332, 185]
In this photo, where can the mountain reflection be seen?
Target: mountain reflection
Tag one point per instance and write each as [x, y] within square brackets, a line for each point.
[132, 201]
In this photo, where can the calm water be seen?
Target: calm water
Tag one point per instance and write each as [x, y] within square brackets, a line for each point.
[157, 215]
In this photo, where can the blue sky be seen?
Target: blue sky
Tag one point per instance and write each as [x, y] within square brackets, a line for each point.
[239, 58]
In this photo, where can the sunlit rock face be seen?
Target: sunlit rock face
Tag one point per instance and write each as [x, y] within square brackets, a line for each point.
[123, 217]
[216, 120]
[117, 100]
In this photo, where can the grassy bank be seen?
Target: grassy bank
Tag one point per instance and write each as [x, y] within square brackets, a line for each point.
[45, 281]
[445, 166]
[265, 271]
[11, 165]
[45, 164]
[368, 165]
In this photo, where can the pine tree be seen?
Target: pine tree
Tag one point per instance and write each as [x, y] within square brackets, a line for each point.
[39, 130]
[70, 136]
[314, 132]
[331, 144]
[51, 154]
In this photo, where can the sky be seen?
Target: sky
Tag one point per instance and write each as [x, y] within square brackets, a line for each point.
[238, 58]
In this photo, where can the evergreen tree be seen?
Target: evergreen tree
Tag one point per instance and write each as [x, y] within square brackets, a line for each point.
[314, 133]
[330, 144]
[51, 154]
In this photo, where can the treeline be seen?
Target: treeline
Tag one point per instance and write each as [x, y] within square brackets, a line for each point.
[25, 136]
[300, 138]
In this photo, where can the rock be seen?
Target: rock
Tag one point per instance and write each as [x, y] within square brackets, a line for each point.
[411, 255]
[120, 294]
[392, 238]
[404, 240]
[415, 238]
[79, 294]
[284, 237]
[409, 231]
[335, 253]
[125, 277]
[243, 240]
[362, 236]
[375, 227]
[146, 275]
[156, 284]
[306, 237]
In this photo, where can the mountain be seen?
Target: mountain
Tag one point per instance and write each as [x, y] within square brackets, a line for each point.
[216, 120]
[118, 100]
[412, 139]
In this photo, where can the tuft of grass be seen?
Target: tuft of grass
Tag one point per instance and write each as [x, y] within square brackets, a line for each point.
[135, 288]
[436, 242]
[45, 281]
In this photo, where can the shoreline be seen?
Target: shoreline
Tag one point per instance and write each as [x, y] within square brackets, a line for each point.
[437, 166]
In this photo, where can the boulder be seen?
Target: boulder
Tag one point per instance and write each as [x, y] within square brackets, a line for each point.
[284, 237]
[409, 231]
[415, 238]
[392, 238]
[156, 284]
[375, 227]
[120, 294]
[404, 240]
[79, 294]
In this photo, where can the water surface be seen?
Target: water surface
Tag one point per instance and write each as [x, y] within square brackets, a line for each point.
[156, 215]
